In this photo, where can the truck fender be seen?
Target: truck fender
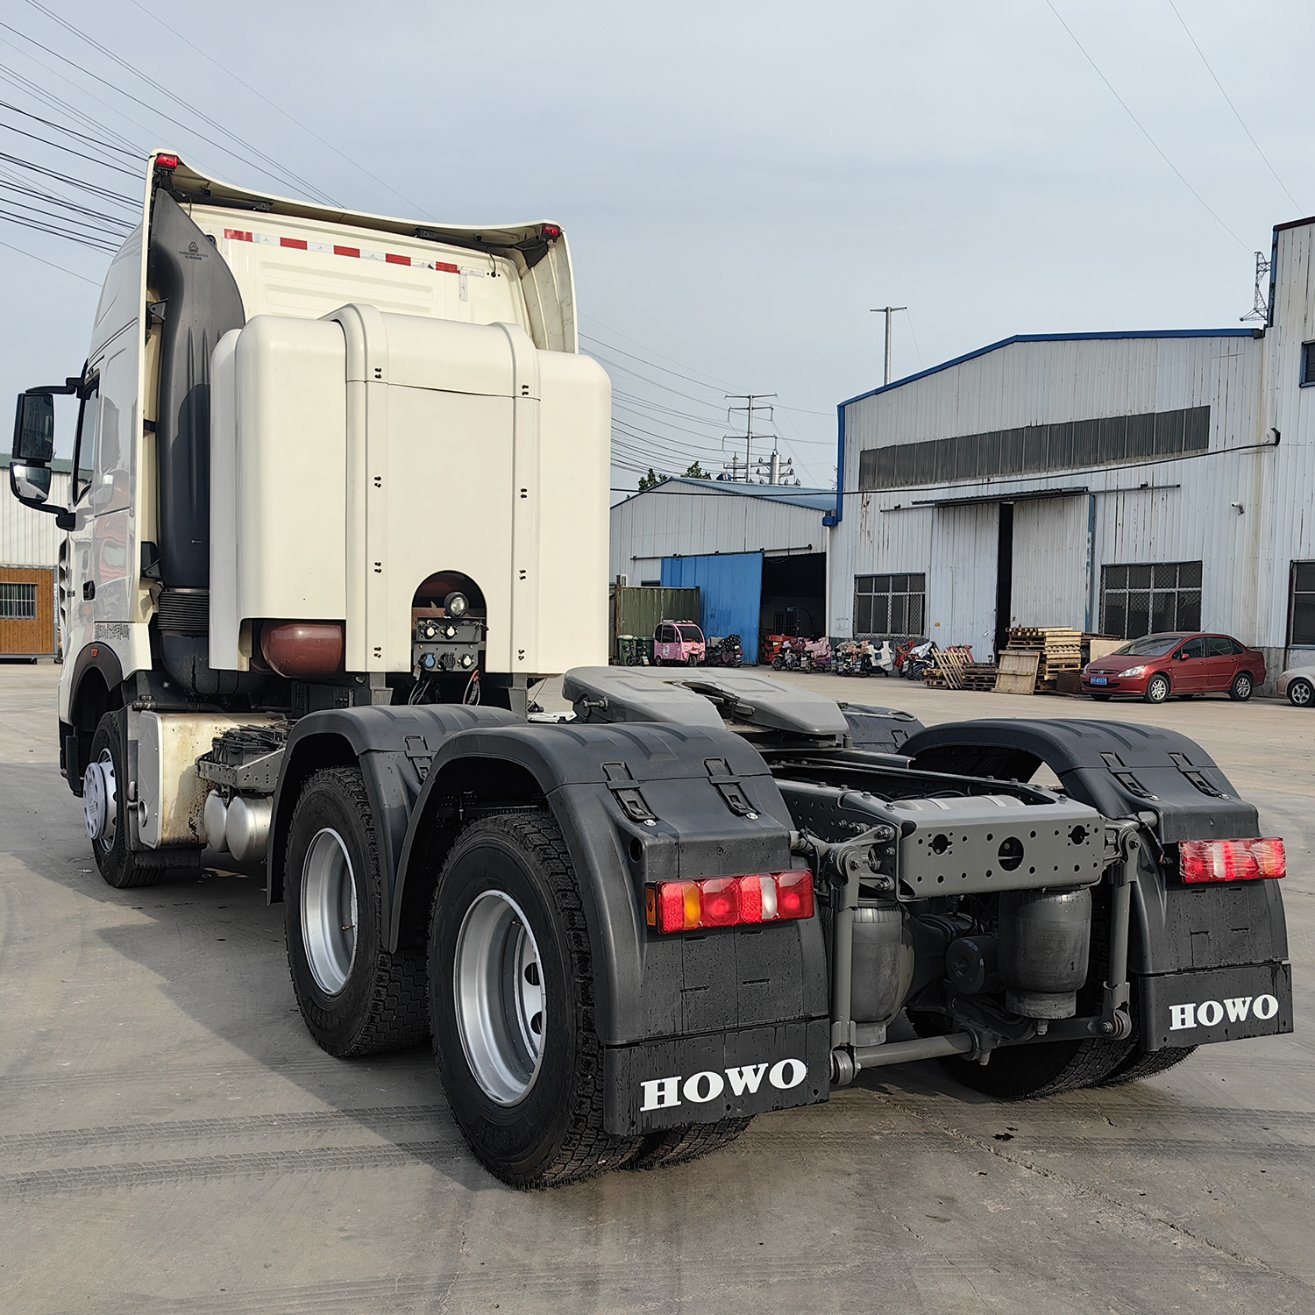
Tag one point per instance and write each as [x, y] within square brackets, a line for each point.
[392, 746]
[635, 803]
[1125, 770]
[95, 687]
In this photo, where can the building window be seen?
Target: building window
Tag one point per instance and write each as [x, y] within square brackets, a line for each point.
[1301, 606]
[1148, 600]
[18, 602]
[889, 604]
[1307, 364]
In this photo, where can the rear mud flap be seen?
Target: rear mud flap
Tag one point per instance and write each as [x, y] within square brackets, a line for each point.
[1216, 1004]
[721, 1075]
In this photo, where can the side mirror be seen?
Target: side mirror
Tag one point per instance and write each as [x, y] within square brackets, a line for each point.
[34, 427]
[29, 483]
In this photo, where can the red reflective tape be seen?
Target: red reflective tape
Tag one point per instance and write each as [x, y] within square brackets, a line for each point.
[397, 260]
[446, 269]
[298, 242]
[347, 251]
[237, 235]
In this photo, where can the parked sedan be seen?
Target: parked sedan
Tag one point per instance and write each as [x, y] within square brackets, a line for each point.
[1297, 685]
[1181, 664]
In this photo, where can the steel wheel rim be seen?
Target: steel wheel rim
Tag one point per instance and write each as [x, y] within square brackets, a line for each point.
[100, 801]
[1300, 693]
[328, 911]
[497, 984]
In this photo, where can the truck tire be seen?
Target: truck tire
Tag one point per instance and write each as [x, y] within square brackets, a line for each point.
[511, 1002]
[356, 997]
[104, 785]
[661, 1150]
[1031, 1072]
[1141, 1065]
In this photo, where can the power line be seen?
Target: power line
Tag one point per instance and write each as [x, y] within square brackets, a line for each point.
[44, 210]
[44, 96]
[66, 178]
[50, 264]
[1141, 127]
[68, 150]
[82, 36]
[714, 383]
[15, 185]
[228, 150]
[644, 361]
[85, 241]
[72, 132]
[324, 141]
[1236, 112]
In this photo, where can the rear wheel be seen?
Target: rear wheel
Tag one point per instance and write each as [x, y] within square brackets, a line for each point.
[661, 1150]
[105, 812]
[356, 997]
[1141, 1065]
[1242, 687]
[1030, 1072]
[1158, 689]
[1301, 693]
[511, 991]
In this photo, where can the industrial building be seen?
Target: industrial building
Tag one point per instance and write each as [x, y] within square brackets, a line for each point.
[756, 553]
[29, 563]
[1113, 482]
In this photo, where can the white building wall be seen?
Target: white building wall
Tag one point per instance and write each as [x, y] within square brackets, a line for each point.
[1156, 511]
[680, 519]
[27, 537]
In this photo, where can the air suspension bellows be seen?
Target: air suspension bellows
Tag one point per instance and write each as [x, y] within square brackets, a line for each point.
[883, 969]
[1045, 940]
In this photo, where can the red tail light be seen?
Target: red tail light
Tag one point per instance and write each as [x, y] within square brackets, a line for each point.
[169, 162]
[551, 232]
[729, 901]
[1202, 861]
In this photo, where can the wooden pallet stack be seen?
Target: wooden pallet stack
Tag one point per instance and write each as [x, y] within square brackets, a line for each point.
[1058, 650]
[950, 667]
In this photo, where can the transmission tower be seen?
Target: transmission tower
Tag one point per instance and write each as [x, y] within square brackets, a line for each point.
[1260, 303]
[753, 406]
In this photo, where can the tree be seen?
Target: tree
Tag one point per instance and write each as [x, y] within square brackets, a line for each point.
[697, 472]
[651, 480]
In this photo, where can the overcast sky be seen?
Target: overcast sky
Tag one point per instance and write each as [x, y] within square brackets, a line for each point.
[740, 182]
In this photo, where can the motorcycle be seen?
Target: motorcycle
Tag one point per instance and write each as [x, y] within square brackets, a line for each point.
[874, 660]
[787, 659]
[730, 652]
[816, 655]
[919, 660]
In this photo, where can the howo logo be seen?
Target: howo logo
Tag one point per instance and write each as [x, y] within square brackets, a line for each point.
[1210, 1013]
[699, 1088]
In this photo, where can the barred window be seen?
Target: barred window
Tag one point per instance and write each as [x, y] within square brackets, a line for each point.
[890, 604]
[1301, 605]
[18, 602]
[1307, 364]
[1138, 600]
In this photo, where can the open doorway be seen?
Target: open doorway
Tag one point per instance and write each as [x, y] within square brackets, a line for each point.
[794, 595]
[1004, 577]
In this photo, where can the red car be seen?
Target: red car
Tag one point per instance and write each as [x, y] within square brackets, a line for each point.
[1157, 666]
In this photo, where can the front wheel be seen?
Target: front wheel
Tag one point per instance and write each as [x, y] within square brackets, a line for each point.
[1301, 693]
[355, 996]
[1158, 689]
[1242, 687]
[511, 1001]
[105, 811]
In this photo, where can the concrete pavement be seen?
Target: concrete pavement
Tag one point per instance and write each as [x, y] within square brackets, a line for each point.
[171, 1138]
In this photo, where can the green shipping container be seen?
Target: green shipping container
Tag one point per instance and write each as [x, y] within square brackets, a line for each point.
[637, 609]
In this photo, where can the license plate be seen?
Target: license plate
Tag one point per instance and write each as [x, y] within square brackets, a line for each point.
[1100, 680]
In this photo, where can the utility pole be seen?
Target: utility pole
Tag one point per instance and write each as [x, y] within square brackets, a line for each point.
[777, 468]
[887, 311]
[752, 406]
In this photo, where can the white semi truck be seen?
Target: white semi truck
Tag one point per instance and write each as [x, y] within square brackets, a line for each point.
[340, 499]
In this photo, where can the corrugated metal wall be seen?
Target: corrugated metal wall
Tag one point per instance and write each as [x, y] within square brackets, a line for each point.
[682, 519]
[730, 586]
[1050, 587]
[961, 579]
[637, 611]
[27, 537]
[1144, 513]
